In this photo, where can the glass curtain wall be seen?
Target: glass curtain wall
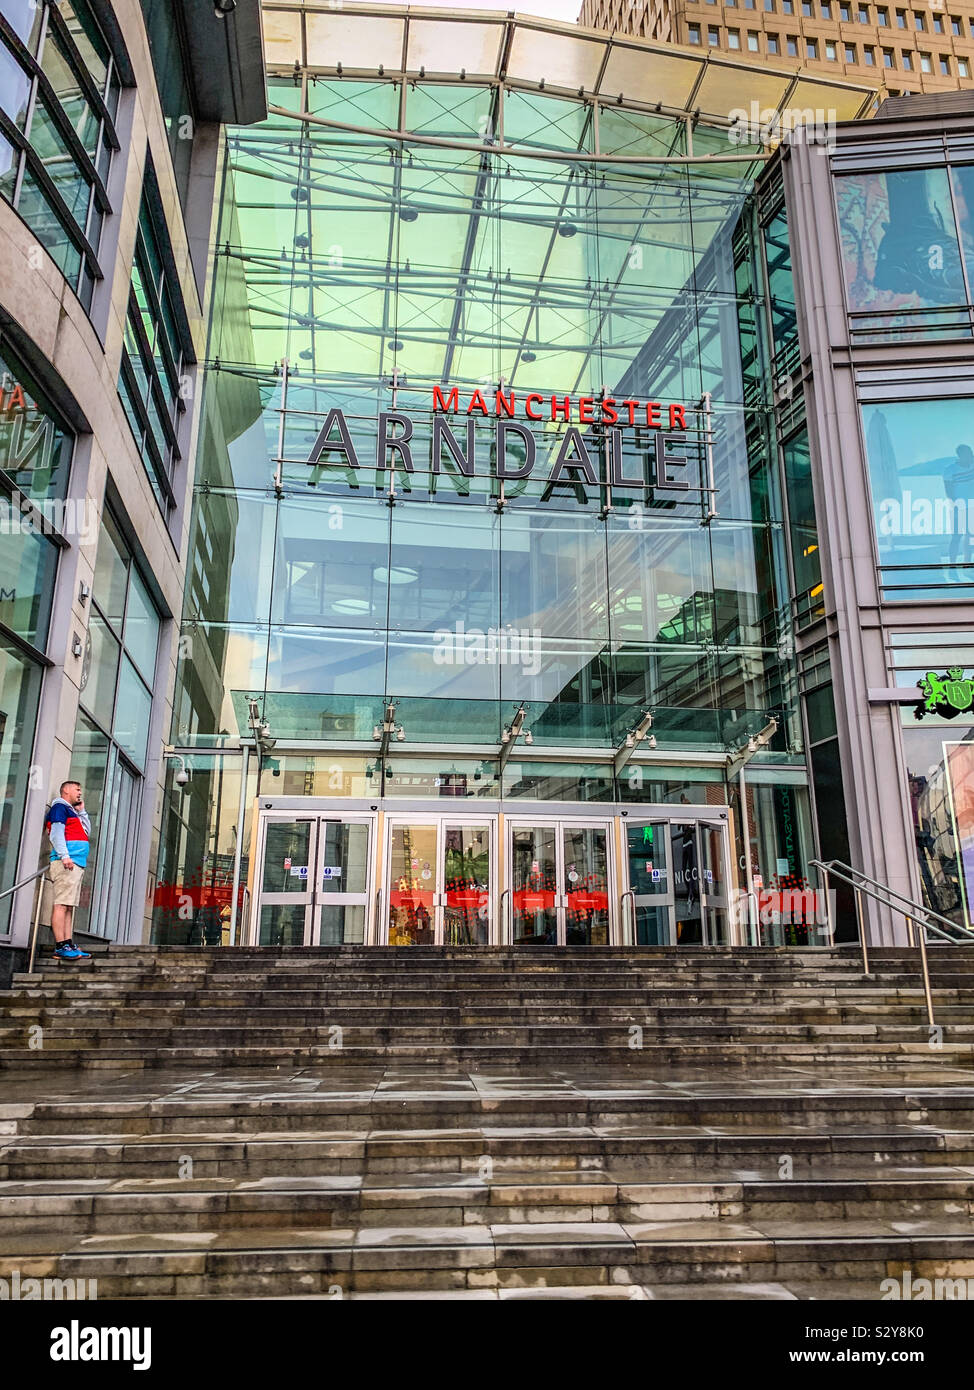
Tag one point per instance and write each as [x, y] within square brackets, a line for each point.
[355, 273]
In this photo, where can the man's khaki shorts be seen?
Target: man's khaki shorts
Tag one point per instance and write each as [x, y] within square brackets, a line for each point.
[65, 884]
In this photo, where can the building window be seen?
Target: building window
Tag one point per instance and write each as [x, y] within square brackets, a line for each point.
[170, 61]
[112, 730]
[155, 343]
[845, 13]
[925, 64]
[769, 6]
[693, 33]
[956, 27]
[963, 68]
[59, 94]
[938, 24]
[787, 7]
[811, 48]
[887, 58]
[863, 14]
[944, 65]
[901, 19]
[826, 10]
[882, 18]
[792, 46]
[35, 464]
[733, 38]
[773, 45]
[713, 36]
[907, 60]
[807, 10]
[868, 56]
[752, 41]
[830, 53]
[850, 53]
[920, 462]
[920, 21]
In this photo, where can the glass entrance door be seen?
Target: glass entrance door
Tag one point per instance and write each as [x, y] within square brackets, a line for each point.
[440, 875]
[559, 884]
[677, 882]
[313, 880]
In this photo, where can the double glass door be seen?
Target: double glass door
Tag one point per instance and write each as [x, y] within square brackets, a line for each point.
[314, 880]
[559, 884]
[440, 882]
[678, 882]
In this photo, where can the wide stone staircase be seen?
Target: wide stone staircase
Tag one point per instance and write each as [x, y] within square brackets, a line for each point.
[488, 1124]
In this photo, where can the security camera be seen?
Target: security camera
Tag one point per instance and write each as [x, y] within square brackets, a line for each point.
[221, 8]
[182, 778]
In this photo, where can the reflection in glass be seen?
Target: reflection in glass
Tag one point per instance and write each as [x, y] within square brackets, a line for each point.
[412, 885]
[534, 886]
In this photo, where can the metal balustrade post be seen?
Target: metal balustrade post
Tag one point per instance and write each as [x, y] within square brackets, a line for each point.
[862, 931]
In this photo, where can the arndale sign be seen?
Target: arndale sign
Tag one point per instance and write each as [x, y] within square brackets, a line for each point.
[514, 450]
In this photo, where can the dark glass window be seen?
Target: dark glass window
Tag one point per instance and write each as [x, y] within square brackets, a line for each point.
[53, 170]
[152, 354]
[167, 45]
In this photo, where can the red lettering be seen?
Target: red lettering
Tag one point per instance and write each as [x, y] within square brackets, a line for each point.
[529, 402]
[610, 416]
[562, 408]
[631, 407]
[652, 415]
[17, 398]
[452, 402]
[477, 402]
[585, 407]
[503, 406]
[676, 414]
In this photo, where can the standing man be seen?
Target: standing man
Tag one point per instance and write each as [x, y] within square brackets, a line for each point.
[67, 826]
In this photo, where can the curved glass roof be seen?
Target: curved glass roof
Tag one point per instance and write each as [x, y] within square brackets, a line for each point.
[518, 50]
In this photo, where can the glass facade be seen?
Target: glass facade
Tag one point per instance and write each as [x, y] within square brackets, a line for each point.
[59, 91]
[908, 251]
[110, 742]
[484, 433]
[150, 383]
[940, 773]
[167, 45]
[35, 461]
[921, 468]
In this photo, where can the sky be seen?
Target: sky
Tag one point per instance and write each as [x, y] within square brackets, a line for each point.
[565, 10]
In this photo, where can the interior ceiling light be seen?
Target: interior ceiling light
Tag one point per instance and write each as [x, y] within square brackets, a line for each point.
[351, 605]
[396, 345]
[399, 574]
[528, 356]
[567, 229]
[407, 214]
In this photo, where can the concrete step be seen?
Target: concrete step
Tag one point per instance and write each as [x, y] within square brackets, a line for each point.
[289, 1262]
[55, 1212]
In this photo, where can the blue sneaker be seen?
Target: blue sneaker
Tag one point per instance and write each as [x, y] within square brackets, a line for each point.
[84, 955]
[67, 951]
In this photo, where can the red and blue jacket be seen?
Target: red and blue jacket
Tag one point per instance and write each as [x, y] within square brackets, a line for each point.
[68, 829]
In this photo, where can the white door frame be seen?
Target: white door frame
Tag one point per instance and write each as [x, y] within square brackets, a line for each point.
[710, 816]
[522, 821]
[441, 821]
[312, 898]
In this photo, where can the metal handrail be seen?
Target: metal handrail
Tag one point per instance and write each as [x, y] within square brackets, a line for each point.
[8, 892]
[505, 926]
[846, 873]
[629, 893]
[916, 909]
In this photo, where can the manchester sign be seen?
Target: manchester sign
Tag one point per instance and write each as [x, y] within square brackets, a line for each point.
[576, 456]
